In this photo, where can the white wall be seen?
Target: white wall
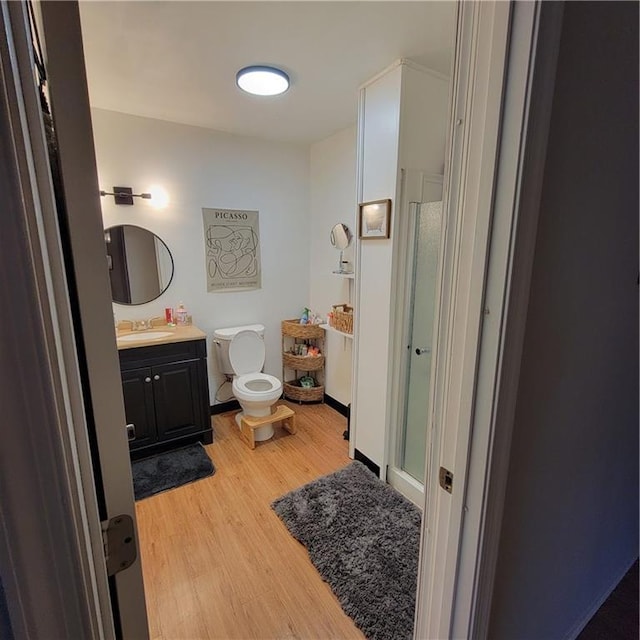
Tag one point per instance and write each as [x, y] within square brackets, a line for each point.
[404, 126]
[202, 168]
[379, 172]
[333, 200]
[570, 527]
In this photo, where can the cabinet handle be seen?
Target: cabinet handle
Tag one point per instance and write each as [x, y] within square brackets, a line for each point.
[131, 431]
[156, 377]
[147, 379]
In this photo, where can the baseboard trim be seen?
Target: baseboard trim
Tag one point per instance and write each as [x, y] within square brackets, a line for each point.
[370, 464]
[338, 406]
[223, 407]
[598, 602]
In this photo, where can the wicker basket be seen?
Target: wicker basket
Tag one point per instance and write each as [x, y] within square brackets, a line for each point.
[342, 318]
[302, 363]
[294, 391]
[294, 329]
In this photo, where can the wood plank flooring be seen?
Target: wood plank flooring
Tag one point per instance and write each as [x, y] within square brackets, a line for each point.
[218, 562]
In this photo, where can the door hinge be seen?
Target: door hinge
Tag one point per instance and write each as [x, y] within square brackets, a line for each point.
[446, 479]
[119, 543]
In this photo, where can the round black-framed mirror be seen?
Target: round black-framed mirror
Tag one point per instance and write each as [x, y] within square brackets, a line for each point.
[140, 264]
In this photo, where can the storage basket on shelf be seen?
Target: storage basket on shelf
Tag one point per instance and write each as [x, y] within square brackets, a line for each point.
[295, 335]
[293, 390]
[341, 318]
[302, 363]
[294, 329]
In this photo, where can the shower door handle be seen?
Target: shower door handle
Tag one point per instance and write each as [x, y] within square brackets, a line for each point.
[420, 351]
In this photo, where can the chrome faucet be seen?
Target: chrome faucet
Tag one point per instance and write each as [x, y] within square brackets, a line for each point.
[141, 325]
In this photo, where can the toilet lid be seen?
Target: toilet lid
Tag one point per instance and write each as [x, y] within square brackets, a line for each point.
[246, 352]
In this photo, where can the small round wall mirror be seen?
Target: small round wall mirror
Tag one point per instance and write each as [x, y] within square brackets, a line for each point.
[341, 238]
[140, 264]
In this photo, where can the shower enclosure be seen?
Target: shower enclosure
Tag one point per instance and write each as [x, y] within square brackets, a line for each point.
[415, 357]
[420, 330]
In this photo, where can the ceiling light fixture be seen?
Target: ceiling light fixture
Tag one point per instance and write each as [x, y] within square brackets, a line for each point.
[262, 81]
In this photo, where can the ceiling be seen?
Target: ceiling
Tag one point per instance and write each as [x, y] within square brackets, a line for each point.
[177, 60]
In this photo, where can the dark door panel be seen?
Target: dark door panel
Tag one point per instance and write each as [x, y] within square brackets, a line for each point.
[177, 398]
[137, 389]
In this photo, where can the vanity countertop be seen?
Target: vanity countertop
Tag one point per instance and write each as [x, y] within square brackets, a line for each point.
[177, 334]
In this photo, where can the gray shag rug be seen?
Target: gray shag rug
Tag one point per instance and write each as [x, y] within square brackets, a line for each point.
[363, 538]
[169, 470]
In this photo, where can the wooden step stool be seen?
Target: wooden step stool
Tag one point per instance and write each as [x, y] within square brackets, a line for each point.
[248, 424]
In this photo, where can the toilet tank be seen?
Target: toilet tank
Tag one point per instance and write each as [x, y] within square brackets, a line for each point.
[222, 339]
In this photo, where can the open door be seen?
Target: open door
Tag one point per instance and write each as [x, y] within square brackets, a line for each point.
[52, 178]
[90, 294]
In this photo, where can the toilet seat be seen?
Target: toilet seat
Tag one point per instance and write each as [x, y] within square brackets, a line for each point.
[246, 352]
[256, 387]
[257, 384]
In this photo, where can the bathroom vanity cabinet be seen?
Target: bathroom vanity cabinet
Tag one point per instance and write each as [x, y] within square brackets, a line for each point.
[166, 395]
[294, 333]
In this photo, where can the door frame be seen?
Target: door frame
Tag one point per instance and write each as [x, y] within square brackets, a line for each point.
[476, 104]
[503, 89]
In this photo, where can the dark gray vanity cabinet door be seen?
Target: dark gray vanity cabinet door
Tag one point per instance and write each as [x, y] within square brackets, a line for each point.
[166, 395]
[137, 389]
[177, 393]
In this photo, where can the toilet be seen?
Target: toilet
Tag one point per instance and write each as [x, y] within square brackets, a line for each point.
[240, 352]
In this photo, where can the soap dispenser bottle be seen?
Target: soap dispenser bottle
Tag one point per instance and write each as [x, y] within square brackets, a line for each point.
[181, 315]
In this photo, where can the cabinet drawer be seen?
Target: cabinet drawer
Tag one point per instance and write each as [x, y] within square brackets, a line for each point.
[161, 354]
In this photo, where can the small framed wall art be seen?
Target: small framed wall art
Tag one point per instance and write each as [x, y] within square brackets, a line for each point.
[375, 219]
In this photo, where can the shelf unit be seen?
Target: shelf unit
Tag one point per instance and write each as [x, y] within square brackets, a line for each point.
[350, 276]
[310, 334]
[329, 328]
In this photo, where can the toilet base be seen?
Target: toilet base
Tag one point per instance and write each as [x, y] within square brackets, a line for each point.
[265, 432]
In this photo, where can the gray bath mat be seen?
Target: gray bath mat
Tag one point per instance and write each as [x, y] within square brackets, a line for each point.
[363, 538]
[171, 469]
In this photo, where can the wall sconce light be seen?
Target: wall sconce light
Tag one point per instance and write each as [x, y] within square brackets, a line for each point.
[125, 195]
[159, 197]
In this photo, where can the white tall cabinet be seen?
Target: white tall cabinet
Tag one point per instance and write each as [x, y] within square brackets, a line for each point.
[402, 124]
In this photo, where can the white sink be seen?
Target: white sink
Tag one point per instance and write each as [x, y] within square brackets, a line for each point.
[144, 335]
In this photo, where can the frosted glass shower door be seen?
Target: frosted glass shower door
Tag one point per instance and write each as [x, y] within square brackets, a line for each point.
[427, 231]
